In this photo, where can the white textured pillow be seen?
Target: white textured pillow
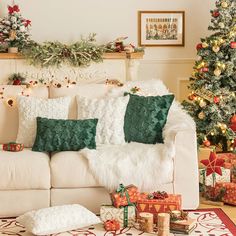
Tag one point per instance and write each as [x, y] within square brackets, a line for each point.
[57, 219]
[110, 113]
[31, 107]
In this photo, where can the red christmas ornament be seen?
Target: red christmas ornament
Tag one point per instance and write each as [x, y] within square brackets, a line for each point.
[233, 119]
[13, 9]
[192, 97]
[215, 13]
[216, 99]
[233, 45]
[213, 165]
[204, 69]
[199, 46]
[206, 143]
[17, 82]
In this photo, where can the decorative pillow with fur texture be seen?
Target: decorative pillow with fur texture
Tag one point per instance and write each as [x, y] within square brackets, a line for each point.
[110, 113]
[57, 219]
[31, 107]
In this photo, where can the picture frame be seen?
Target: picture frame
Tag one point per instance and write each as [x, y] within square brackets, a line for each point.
[161, 28]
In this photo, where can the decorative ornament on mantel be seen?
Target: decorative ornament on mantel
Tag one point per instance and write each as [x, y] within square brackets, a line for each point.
[14, 30]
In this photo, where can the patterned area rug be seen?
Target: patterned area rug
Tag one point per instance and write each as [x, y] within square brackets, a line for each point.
[210, 222]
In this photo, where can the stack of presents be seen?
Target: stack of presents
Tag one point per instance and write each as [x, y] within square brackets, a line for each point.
[217, 175]
[128, 205]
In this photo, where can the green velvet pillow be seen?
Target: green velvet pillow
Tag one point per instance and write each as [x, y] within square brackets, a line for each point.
[64, 135]
[146, 117]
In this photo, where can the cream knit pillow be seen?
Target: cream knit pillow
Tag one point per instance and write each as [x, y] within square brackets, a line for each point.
[31, 107]
[110, 113]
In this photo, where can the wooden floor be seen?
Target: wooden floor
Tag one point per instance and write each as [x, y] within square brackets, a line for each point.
[229, 210]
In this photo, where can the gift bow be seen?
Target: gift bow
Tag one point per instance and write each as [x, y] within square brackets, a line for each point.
[122, 190]
[13, 9]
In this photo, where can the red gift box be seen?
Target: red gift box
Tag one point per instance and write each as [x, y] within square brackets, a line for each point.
[230, 194]
[13, 147]
[155, 206]
[112, 225]
[124, 196]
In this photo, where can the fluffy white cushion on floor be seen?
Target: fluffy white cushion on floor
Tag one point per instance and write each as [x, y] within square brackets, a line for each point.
[110, 113]
[31, 107]
[57, 219]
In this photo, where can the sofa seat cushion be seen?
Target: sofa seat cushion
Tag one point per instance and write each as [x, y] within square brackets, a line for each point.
[70, 169]
[24, 170]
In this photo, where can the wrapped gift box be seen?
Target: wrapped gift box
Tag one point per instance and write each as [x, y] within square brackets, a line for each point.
[13, 147]
[112, 225]
[208, 180]
[203, 154]
[124, 196]
[125, 215]
[155, 206]
[230, 195]
[229, 158]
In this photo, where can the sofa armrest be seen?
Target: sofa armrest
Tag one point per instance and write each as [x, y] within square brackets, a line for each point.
[186, 176]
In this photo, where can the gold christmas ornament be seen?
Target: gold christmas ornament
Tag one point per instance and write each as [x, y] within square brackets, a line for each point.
[224, 4]
[217, 72]
[205, 45]
[202, 103]
[215, 49]
[201, 115]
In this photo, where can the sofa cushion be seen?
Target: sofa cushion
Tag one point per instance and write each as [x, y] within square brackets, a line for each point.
[85, 90]
[9, 114]
[146, 117]
[30, 108]
[70, 170]
[110, 113]
[64, 135]
[24, 170]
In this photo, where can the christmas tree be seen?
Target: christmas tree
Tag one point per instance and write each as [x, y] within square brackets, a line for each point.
[14, 29]
[212, 102]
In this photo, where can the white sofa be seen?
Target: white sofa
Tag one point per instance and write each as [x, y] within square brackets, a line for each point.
[32, 180]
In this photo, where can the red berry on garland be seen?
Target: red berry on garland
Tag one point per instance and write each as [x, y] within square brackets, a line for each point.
[233, 45]
[16, 82]
[206, 143]
[199, 46]
[233, 119]
[215, 13]
[216, 99]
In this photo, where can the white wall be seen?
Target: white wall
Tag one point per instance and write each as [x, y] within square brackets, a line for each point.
[67, 20]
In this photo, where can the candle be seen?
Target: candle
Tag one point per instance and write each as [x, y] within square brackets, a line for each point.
[163, 224]
[146, 222]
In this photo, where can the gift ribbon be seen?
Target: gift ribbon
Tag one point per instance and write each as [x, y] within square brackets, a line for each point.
[122, 190]
[126, 216]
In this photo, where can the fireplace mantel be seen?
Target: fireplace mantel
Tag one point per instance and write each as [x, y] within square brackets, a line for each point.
[115, 55]
[122, 66]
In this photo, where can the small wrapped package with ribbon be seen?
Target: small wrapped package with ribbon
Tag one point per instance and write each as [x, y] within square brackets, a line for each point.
[158, 202]
[230, 192]
[213, 178]
[13, 147]
[126, 216]
[124, 196]
[112, 225]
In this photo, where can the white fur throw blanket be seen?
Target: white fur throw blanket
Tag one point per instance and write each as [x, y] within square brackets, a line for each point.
[144, 165]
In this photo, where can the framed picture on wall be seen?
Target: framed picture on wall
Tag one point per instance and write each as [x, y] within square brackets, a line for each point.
[161, 28]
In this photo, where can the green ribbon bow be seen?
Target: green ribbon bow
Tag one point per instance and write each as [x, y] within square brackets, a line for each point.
[122, 190]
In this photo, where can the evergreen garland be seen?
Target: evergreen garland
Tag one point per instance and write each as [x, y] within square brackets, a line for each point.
[81, 53]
